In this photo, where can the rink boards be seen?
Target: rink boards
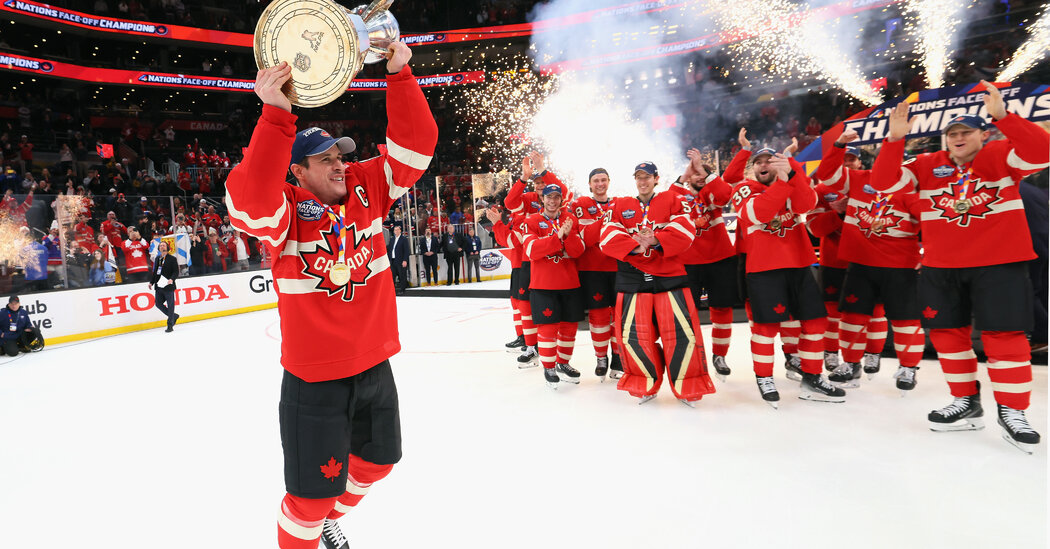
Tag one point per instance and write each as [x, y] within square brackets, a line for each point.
[86, 313]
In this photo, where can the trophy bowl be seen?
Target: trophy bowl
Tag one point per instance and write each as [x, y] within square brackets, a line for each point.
[325, 43]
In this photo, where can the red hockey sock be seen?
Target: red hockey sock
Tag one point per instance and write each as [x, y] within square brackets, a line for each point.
[811, 345]
[908, 341]
[528, 329]
[517, 316]
[300, 521]
[955, 353]
[762, 348]
[600, 321]
[547, 344]
[1009, 367]
[877, 328]
[566, 341]
[852, 339]
[789, 332]
[831, 335]
[360, 475]
[721, 330]
[747, 311]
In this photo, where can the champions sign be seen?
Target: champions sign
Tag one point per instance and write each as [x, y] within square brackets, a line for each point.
[931, 110]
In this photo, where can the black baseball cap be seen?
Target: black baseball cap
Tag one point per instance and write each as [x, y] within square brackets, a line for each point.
[313, 141]
[13, 299]
[764, 150]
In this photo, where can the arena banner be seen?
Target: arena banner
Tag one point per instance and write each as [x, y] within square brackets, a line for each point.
[59, 69]
[73, 315]
[931, 111]
[67, 17]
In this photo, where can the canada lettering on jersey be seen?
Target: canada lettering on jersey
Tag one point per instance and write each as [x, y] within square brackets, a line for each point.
[981, 201]
[319, 262]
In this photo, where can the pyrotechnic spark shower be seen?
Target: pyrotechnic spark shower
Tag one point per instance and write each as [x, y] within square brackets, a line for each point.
[1032, 51]
[785, 40]
[935, 22]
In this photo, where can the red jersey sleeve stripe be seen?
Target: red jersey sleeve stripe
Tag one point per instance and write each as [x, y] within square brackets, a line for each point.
[1015, 161]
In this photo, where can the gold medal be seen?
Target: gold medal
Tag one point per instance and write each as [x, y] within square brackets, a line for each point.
[962, 206]
[339, 274]
[775, 224]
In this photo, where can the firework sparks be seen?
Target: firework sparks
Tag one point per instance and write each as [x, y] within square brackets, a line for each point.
[936, 22]
[787, 40]
[1032, 51]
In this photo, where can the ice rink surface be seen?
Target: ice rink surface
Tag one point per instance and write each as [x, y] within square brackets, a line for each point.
[171, 441]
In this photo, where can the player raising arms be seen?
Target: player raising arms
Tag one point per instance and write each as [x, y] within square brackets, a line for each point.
[646, 234]
[880, 242]
[597, 272]
[779, 281]
[976, 243]
[710, 263]
[340, 425]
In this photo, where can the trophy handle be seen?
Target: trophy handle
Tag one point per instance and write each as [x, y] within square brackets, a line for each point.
[375, 7]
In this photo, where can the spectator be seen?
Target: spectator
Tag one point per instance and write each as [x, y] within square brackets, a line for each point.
[12, 211]
[114, 230]
[473, 254]
[397, 251]
[100, 271]
[429, 246]
[181, 227]
[165, 271]
[215, 253]
[452, 245]
[197, 266]
[26, 154]
[122, 209]
[34, 262]
[211, 219]
[225, 230]
[136, 256]
[18, 331]
[237, 245]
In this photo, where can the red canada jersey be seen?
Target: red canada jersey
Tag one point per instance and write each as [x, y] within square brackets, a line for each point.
[742, 189]
[212, 221]
[114, 231]
[880, 229]
[136, 255]
[972, 214]
[590, 214]
[502, 233]
[712, 242]
[553, 259]
[776, 238]
[826, 224]
[331, 330]
[667, 216]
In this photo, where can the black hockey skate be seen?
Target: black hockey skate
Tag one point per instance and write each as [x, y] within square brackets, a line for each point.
[721, 368]
[528, 358]
[816, 388]
[905, 377]
[517, 345]
[332, 537]
[793, 365]
[1016, 429]
[831, 361]
[768, 390]
[846, 375]
[963, 414]
[615, 367]
[602, 368]
[567, 373]
[552, 378]
[871, 364]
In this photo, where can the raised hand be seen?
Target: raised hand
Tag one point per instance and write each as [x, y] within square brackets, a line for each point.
[779, 163]
[900, 122]
[269, 83]
[397, 56]
[848, 136]
[493, 214]
[792, 148]
[526, 167]
[993, 101]
[538, 162]
[742, 138]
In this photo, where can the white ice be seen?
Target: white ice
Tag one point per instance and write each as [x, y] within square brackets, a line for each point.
[155, 440]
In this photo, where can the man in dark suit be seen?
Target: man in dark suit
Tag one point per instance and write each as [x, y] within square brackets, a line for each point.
[397, 250]
[473, 254]
[165, 271]
[452, 244]
[429, 246]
